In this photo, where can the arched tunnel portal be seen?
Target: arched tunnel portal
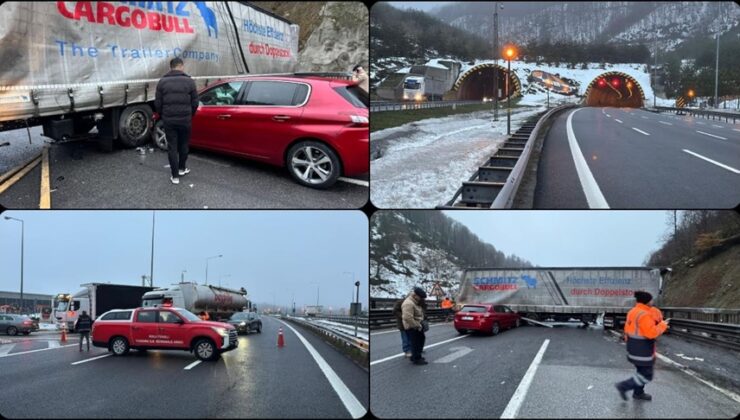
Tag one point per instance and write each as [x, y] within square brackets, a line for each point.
[615, 89]
[477, 83]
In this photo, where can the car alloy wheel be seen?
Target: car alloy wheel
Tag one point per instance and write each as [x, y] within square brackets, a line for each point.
[119, 346]
[495, 328]
[312, 165]
[12, 331]
[204, 349]
[159, 137]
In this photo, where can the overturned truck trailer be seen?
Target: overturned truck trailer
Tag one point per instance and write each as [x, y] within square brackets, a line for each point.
[563, 293]
[74, 65]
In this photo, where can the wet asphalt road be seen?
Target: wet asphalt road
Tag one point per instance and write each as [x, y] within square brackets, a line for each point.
[641, 159]
[256, 380]
[83, 177]
[476, 377]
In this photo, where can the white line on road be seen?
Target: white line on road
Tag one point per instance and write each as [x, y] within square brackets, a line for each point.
[512, 409]
[425, 347]
[644, 117]
[695, 376]
[718, 126]
[92, 358]
[34, 351]
[640, 131]
[52, 344]
[666, 123]
[354, 181]
[590, 188]
[351, 403]
[711, 135]
[192, 365]
[735, 129]
[458, 353]
[608, 115]
[700, 123]
[5, 349]
[619, 121]
[721, 165]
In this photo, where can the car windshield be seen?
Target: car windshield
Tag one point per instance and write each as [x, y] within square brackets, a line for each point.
[412, 84]
[62, 306]
[239, 316]
[473, 309]
[187, 315]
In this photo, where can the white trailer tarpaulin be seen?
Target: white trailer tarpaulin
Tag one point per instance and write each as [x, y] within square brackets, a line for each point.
[96, 48]
[614, 287]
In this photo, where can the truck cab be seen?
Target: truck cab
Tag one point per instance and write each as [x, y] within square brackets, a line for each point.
[162, 328]
[413, 88]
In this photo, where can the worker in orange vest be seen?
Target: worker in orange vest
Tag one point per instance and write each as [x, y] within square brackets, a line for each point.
[447, 306]
[641, 330]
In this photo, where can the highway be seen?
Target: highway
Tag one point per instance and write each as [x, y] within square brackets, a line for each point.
[256, 380]
[632, 158]
[475, 376]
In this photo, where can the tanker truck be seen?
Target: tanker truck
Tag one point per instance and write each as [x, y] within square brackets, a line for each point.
[561, 293]
[219, 302]
[96, 299]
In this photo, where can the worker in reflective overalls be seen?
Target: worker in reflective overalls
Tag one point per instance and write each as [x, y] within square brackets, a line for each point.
[641, 330]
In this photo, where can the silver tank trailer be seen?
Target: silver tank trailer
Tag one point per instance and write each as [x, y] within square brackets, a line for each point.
[219, 302]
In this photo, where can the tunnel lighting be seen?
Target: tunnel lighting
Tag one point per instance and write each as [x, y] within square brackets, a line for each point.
[510, 52]
[602, 83]
[691, 93]
[629, 84]
[615, 82]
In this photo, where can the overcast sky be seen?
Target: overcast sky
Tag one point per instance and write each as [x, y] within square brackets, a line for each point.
[266, 252]
[419, 5]
[569, 238]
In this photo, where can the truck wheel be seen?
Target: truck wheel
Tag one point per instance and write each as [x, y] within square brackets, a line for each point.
[12, 331]
[205, 349]
[495, 329]
[134, 126]
[158, 136]
[119, 346]
[259, 328]
[313, 164]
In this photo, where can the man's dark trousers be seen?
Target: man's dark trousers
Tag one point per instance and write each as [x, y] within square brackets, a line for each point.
[178, 138]
[417, 339]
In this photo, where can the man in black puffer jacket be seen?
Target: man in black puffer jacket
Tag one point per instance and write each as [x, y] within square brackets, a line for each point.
[176, 103]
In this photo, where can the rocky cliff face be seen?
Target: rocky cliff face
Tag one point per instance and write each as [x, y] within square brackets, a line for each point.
[334, 35]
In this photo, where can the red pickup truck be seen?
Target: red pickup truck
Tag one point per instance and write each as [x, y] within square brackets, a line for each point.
[162, 328]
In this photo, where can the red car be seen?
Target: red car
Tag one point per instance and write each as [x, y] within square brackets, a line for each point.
[485, 318]
[162, 328]
[316, 127]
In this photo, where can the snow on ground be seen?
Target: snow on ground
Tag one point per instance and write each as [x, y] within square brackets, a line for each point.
[423, 163]
[47, 327]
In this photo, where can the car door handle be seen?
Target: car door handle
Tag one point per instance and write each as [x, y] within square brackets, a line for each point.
[134, 328]
[223, 116]
[281, 118]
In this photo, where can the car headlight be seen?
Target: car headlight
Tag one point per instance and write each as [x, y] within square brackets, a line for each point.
[219, 330]
[243, 324]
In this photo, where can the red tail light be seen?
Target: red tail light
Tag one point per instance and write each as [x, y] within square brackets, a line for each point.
[27, 322]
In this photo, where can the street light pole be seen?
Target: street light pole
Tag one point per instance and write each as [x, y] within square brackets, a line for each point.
[23, 235]
[151, 262]
[716, 60]
[655, 65]
[208, 259]
[495, 58]
[357, 304]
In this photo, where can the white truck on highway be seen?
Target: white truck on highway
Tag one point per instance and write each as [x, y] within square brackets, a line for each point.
[74, 65]
[96, 299]
[562, 293]
[219, 302]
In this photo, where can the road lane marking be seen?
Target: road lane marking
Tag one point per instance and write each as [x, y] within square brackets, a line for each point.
[666, 123]
[594, 197]
[53, 344]
[711, 135]
[640, 131]
[721, 165]
[354, 181]
[619, 121]
[44, 190]
[351, 403]
[735, 129]
[17, 174]
[608, 115]
[395, 356]
[644, 117]
[192, 365]
[701, 123]
[512, 409]
[718, 126]
[34, 351]
[91, 359]
[5, 349]
[458, 353]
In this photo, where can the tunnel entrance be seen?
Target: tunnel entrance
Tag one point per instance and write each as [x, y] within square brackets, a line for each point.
[615, 89]
[477, 83]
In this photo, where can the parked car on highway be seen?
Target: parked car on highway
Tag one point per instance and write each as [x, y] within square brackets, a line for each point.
[485, 318]
[246, 322]
[162, 328]
[13, 324]
[314, 126]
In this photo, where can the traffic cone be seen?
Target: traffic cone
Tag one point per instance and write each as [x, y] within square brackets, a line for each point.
[64, 333]
[281, 340]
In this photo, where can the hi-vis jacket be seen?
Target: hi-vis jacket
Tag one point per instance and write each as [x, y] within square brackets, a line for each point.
[641, 330]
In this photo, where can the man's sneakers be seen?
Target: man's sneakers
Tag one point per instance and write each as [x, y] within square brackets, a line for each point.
[184, 171]
[644, 396]
[174, 180]
[622, 390]
[420, 362]
[407, 354]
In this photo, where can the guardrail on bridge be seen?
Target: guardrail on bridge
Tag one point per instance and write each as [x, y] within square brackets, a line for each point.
[702, 113]
[406, 106]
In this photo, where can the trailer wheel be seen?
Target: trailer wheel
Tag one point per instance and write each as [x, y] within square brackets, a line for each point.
[134, 127]
[158, 136]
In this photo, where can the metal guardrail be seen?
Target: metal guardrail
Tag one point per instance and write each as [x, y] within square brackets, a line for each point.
[350, 340]
[703, 113]
[406, 106]
[714, 333]
[384, 318]
[361, 321]
[718, 315]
